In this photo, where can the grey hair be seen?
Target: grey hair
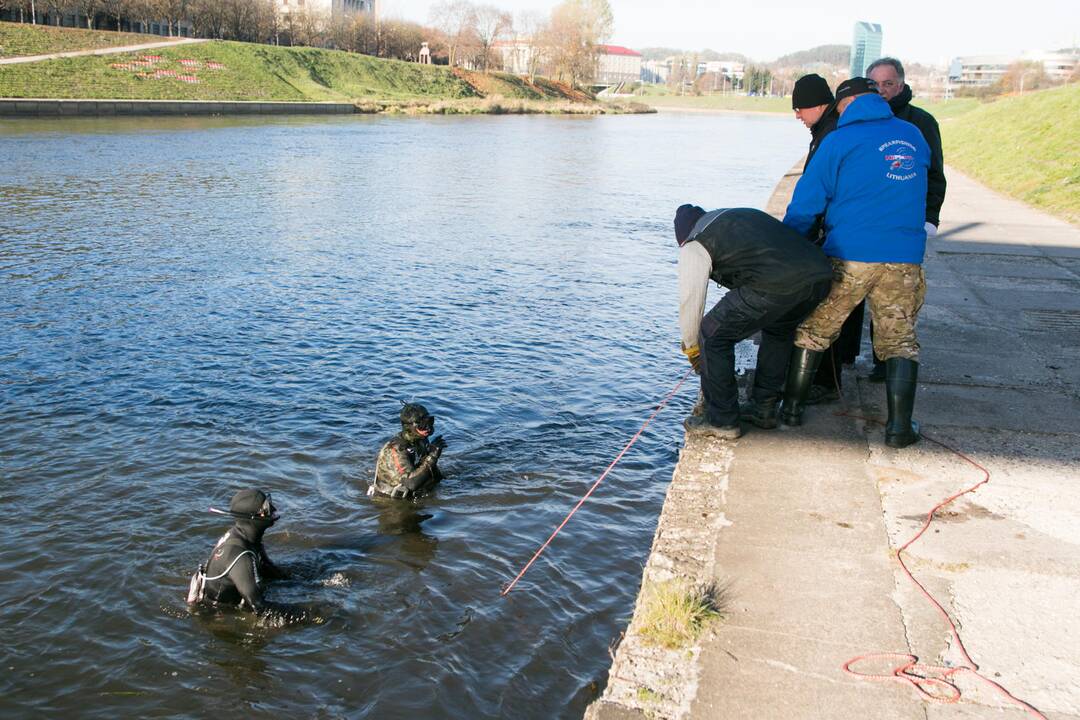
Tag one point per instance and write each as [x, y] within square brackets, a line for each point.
[896, 65]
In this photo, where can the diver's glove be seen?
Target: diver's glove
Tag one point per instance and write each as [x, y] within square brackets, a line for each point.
[693, 354]
[437, 445]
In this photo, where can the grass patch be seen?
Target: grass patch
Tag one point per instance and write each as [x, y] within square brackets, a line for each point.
[1026, 146]
[947, 109]
[18, 39]
[675, 614]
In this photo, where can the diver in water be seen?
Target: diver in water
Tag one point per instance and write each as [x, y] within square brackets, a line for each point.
[238, 565]
[408, 464]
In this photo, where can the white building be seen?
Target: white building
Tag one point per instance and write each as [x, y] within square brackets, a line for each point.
[617, 64]
[985, 70]
[519, 57]
[330, 9]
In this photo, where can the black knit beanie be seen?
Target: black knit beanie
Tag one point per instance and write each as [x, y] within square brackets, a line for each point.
[685, 219]
[810, 91]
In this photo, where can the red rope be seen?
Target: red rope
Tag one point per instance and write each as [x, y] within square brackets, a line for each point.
[910, 671]
[671, 394]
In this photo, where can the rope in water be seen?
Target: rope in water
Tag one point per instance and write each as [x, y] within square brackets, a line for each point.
[510, 586]
[910, 671]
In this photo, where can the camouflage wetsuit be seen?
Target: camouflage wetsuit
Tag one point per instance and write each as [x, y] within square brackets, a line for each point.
[406, 467]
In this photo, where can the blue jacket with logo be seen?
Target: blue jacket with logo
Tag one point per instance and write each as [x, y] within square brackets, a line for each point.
[869, 179]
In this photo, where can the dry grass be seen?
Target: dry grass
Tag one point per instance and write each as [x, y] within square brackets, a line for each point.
[675, 613]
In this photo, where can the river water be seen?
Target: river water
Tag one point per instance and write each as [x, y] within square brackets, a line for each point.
[190, 307]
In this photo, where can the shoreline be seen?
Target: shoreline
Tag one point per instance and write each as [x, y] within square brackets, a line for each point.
[803, 540]
[67, 107]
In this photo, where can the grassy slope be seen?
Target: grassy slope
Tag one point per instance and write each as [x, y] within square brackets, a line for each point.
[1027, 147]
[251, 72]
[17, 39]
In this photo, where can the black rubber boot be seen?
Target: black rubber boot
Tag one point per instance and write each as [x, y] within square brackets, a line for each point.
[800, 375]
[901, 379]
[760, 413]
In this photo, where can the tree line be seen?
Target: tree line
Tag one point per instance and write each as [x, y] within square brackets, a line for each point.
[563, 44]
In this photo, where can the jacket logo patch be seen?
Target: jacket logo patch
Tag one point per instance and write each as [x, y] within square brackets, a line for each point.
[899, 156]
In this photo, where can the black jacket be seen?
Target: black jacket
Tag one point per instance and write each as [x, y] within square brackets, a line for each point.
[825, 125]
[750, 248]
[935, 190]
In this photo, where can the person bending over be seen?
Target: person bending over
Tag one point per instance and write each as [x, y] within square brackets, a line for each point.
[776, 277]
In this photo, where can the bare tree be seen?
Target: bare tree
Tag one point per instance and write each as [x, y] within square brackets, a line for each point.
[578, 28]
[491, 25]
[532, 30]
[457, 19]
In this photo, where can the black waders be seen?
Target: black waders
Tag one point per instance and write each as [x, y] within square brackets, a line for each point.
[901, 378]
[800, 375]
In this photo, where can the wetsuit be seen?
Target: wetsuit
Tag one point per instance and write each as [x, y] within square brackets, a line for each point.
[407, 466]
[237, 567]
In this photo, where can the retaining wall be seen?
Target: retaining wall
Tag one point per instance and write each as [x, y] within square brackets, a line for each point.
[31, 107]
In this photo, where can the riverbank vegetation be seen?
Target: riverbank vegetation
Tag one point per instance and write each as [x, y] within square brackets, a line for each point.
[564, 44]
[1025, 146]
[674, 614]
[224, 70]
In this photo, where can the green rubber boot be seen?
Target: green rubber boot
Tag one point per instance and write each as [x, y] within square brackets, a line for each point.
[901, 379]
[800, 375]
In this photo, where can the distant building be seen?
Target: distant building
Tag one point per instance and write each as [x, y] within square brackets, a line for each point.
[515, 55]
[617, 64]
[656, 71]
[330, 9]
[975, 71]
[865, 47]
[727, 68]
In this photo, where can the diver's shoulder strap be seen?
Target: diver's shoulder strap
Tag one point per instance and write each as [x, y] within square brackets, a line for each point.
[235, 559]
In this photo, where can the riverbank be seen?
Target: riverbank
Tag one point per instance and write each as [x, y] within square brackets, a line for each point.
[802, 545]
[232, 72]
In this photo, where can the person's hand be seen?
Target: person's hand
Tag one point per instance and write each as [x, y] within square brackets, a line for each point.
[693, 354]
[438, 443]
[931, 230]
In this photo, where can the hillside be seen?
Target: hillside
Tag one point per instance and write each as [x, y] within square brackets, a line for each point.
[1024, 146]
[17, 39]
[219, 70]
[822, 54]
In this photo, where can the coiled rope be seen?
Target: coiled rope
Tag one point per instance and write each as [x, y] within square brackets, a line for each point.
[924, 677]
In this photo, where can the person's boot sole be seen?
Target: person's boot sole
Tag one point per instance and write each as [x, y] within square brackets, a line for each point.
[713, 431]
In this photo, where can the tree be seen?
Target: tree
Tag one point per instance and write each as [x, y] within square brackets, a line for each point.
[1021, 76]
[401, 39]
[578, 28]
[457, 19]
[531, 29]
[491, 24]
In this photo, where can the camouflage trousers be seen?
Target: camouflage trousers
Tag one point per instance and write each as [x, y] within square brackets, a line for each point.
[894, 292]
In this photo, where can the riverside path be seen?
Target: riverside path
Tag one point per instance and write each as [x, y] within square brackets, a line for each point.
[802, 539]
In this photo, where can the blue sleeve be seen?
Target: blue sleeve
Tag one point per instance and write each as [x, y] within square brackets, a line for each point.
[814, 189]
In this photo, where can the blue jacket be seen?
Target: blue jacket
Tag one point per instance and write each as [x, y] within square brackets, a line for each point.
[869, 179]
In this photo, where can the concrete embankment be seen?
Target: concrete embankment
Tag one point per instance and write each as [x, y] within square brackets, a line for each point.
[65, 108]
[799, 527]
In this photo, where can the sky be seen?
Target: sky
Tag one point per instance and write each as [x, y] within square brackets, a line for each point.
[927, 31]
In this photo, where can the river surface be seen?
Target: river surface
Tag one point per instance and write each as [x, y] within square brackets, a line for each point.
[190, 307]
